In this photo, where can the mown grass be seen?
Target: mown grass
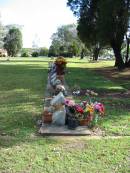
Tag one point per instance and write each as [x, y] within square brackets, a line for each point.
[22, 85]
[82, 75]
[81, 155]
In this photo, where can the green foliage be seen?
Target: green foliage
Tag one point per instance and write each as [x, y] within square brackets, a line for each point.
[87, 28]
[35, 54]
[2, 35]
[113, 25]
[25, 54]
[74, 49]
[113, 20]
[27, 50]
[53, 51]
[103, 23]
[43, 51]
[65, 42]
[13, 41]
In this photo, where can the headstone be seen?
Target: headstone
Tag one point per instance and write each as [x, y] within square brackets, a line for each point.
[58, 117]
[58, 100]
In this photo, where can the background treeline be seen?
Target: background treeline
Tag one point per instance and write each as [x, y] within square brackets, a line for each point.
[104, 23]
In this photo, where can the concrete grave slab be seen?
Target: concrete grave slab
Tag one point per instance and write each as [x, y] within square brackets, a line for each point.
[52, 130]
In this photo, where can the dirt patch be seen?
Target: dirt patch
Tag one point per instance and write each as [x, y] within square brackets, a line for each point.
[78, 143]
[114, 75]
[72, 146]
[115, 95]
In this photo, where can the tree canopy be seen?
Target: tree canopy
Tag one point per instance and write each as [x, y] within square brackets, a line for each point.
[103, 23]
[13, 41]
[66, 41]
[2, 34]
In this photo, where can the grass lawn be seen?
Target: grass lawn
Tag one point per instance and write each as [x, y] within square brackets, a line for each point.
[112, 91]
[22, 84]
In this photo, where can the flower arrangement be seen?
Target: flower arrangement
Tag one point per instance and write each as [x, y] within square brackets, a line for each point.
[99, 108]
[69, 102]
[84, 92]
[60, 63]
[86, 112]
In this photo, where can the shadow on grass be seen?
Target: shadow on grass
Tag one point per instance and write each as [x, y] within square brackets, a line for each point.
[21, 92]
[120, 77]
[89, 79]
[37, 60]
[40, 61]
[22, 77]
[117, 109]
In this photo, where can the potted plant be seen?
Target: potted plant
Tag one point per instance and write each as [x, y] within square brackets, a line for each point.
[83, 121]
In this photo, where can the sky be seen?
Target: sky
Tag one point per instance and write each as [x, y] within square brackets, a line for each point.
[39, 18]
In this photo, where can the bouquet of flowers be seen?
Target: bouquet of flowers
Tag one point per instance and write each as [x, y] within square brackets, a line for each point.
[60, 63]
[86, 112]
[96, 110]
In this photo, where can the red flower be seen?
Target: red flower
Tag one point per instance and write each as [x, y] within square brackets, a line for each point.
[79, 109]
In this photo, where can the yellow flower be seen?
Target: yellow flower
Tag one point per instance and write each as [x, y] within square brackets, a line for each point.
[90, 108]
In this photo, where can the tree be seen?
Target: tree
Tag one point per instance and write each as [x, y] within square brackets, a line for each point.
[35, 54]
[13, 41]
[2, 33]
[86, 11]
[25, 54]
[26, 51]
[53, 50]
[66, 42]
[112, 26]
[127, 60]
[87, 27]
[74, 49]
[107, 18]
[43, 51]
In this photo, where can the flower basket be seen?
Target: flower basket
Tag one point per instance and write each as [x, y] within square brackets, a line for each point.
[90, 117]
[47, 117]
[83, 122]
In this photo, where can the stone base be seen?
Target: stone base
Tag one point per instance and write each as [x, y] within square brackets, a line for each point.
[52, 130]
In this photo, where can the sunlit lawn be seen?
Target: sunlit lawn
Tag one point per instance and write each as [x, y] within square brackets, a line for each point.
[22, 85]
[83, 76]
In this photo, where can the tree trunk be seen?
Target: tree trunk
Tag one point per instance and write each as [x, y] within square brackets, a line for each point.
[116, 62]
[127, 52]
[119, 63]
[82, 54]
[96, 54]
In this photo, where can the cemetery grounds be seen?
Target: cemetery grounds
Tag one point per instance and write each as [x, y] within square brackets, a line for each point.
[23, 150]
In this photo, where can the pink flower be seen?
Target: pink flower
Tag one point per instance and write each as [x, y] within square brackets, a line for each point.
[99, 107]
[69, 102]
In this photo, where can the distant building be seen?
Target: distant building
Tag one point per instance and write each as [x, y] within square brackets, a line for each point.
[3, 53]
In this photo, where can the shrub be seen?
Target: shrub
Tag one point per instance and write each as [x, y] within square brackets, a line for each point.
[25, 54]
[35, 54]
